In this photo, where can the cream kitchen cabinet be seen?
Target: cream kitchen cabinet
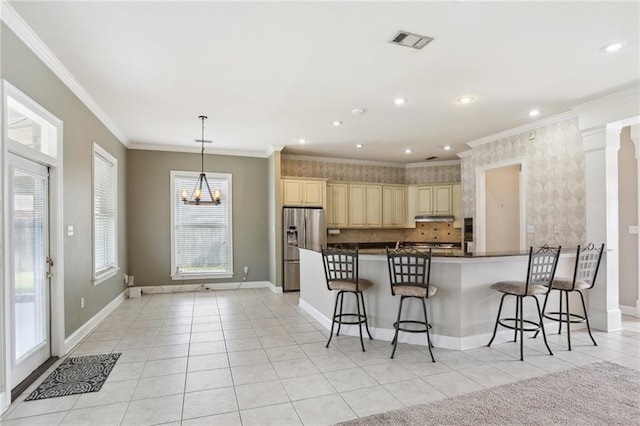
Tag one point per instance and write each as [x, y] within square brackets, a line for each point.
[299, 192]
[336, 215]
[434, 200]
[394, 200]
[365, 206]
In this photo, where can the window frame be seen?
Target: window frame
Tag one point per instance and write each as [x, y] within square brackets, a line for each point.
[226, 203]
[102, 275]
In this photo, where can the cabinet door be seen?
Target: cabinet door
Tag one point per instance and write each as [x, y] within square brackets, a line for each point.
[442, 199]
[336, 214]
[374, 205]
[399, 204]
[393, 206]
[388, 205]
[340, 197]
[357, 205]
[313, 193]
[292, 192]
[425, 196]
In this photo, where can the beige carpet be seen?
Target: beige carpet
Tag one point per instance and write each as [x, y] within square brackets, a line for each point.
[598, 394]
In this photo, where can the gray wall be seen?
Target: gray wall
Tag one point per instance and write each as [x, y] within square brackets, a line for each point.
[149, 227]
[628, 211]
[26, 72]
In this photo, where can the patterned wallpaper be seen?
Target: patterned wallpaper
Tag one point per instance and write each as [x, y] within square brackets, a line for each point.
[344, 172]
[555, 180]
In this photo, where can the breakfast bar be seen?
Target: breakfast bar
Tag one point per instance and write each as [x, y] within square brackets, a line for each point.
[462, 312]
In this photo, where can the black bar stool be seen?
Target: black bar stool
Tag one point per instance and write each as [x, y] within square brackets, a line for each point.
[585, 272]
[341, 273]
[540, 273]
[409, 273]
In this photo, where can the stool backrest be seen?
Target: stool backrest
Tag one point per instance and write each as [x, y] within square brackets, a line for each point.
[409, 267]
[587, 264]
[340, 264]
[542, 266]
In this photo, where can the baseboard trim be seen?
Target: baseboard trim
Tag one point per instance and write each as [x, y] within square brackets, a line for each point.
[186, 288]
[3, 402]
[275, 289]
[86, 328]
[630, 310]
[439, 341]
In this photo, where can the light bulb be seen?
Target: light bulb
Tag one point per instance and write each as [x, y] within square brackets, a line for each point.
[197, 193]
[184, 195]
[216, 194]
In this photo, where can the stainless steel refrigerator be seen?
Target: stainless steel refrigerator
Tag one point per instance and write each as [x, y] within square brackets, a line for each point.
[302, 228]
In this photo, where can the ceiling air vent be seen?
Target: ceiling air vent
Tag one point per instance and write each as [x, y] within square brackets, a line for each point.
[430, 158]
[405, 38]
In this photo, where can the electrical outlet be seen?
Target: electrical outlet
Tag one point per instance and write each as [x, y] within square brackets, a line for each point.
[126, 279]
[246, 269]
[633, 229]
[82, 303]
[530, 229]
[556, 229]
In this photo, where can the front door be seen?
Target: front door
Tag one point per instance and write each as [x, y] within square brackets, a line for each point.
[28, 265]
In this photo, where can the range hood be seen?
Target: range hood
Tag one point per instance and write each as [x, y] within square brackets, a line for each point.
[432, 218]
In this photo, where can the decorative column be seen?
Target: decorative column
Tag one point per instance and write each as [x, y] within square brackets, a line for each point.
[601, 144]
[635, 138]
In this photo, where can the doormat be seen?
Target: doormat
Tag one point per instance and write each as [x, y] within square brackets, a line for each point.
[75, 375]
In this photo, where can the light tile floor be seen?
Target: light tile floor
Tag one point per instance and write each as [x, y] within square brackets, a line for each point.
[251, 357]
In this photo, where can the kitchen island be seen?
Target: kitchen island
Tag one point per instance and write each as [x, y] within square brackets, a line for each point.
[462, 312]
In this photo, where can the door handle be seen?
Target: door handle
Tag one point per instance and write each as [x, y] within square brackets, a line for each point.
[49, 275]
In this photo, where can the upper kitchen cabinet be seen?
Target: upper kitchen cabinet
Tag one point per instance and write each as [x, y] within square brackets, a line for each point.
[430, 200]
[394, 200]
[337, 205]
[299, 192]
[365, 205]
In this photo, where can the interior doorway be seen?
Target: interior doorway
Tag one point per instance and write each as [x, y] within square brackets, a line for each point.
[501, 207]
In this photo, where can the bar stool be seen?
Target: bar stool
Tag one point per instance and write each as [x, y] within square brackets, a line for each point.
[409, 273]
[540, 273]
[341, 273]
[585, 272]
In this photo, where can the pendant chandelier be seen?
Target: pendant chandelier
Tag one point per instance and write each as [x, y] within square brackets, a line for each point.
[202, 186]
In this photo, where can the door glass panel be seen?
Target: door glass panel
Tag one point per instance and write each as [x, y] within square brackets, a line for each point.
[29, 217]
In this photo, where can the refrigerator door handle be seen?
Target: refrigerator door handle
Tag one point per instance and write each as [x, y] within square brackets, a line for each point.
[306, 242]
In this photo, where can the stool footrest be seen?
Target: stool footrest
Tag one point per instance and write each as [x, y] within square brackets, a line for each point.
[339, 319]
[516, 326]
[411, 330]
[561, 317]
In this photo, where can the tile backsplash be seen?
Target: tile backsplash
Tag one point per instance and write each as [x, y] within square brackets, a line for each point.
[431, 232]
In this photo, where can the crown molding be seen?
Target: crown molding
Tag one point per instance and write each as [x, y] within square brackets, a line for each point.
[629, 91]
[465, 154]
[195, 150]
[21, 29]
[340, 160]
[433, 164]
[524, 128]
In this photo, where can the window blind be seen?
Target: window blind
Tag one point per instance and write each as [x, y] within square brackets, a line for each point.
[104, 214]
[202, 233]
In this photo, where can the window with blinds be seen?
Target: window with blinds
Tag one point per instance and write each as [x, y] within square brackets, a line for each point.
[201, 237]
[105, 246]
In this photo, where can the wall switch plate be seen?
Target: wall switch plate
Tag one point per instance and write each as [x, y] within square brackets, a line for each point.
[530, 229]
[82, 302]
[633, 229]
[69, 230]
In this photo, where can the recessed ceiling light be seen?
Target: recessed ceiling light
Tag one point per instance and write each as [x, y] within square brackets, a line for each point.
[407, 151]
[465, 99]
[534, 113]
[357, 111]
[400, 101]
[359, 145]
[613, 47]
[337, 123]
[302, 141]
[446, 147]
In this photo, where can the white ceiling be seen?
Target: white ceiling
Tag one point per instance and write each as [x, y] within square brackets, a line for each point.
[268, 74]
